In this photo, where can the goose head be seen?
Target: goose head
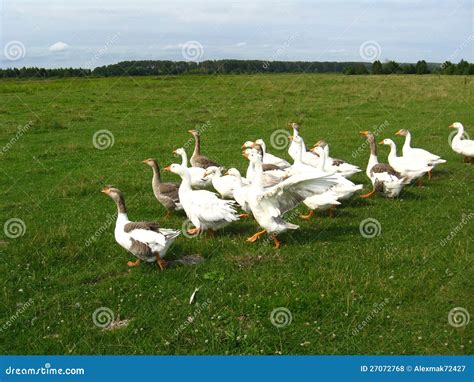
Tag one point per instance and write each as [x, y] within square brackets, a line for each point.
[179, 151]
[370, 137]
[176, 169]
[233, 172]
[318, 151]
[387, 142]
[294, 126]
[320, 143]
[213, 170]
[252, 156]
[151, 162]
[456, 125]
[402, 132]
[247, 145]
[117, 196]
[113, 192]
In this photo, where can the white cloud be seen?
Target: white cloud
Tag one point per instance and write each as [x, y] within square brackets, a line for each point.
[58, 47]
[241, 44]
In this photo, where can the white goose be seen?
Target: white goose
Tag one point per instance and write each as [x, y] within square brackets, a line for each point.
[340, 166]
[462, 146]
[145, 240]
[205, 210]
[240, 191]
[409, 168]
[224, 185]
[344, 188]
[418, 153]
[384, 178]
[270, 177]
[198, 178]
[270, 158]
[306, 156]
[269, 204]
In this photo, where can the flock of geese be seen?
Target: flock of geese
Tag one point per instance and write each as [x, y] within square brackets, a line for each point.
[271, 187]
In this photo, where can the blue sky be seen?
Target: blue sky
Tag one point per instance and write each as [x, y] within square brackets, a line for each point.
[93, 33]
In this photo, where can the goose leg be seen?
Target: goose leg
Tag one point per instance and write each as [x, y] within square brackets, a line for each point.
[254, 238]
[430, 175]
[309, 216]
[331, 211]
[134, 263]
[419, 183]
[160, 262]
[370, 194]
[193, 231]
[276, 241]
[210, 232]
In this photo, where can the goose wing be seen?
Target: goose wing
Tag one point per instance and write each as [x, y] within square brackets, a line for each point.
[287, 194]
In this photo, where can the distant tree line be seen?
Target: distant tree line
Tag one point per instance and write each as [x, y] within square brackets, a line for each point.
[156, 68]
[421, 67]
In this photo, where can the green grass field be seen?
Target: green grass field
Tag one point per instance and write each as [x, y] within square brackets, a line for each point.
[347, 294]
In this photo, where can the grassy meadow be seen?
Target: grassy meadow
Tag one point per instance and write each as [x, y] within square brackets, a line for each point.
[346, 293]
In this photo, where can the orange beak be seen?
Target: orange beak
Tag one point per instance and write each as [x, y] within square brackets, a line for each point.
[381, 143]
[145, 161]
[364, 133]
[190, 131]
[398, 132]
[245, 155]
[451, 126]
[167, 168]
[105, 190]
[290, 137]
[243, 146]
